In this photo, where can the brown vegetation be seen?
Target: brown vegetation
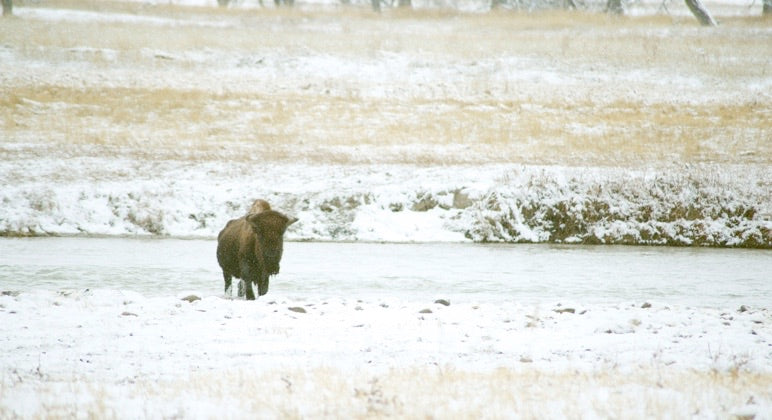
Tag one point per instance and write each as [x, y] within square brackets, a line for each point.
[553, 88]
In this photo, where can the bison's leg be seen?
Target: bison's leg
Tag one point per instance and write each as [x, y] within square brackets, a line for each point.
[262, 285]
[245, 289]
[248, 289]
[227, 277]
[248, 277]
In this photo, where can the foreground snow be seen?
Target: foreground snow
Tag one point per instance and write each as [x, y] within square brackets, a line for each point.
[109, 353]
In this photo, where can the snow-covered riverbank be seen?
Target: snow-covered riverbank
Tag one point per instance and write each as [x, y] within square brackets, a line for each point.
[714, 205]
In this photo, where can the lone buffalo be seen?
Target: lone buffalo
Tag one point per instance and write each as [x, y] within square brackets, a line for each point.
[250, 248]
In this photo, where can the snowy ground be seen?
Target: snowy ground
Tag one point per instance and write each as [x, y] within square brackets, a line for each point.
[119, 354]
[161, 120]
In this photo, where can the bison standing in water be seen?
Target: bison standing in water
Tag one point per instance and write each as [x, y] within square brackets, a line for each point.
[250, 248]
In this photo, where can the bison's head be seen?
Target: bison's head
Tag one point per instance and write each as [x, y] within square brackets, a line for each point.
[269, 226]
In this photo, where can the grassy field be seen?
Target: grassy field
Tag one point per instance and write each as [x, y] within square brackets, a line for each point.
[347, 86]
[435, 392]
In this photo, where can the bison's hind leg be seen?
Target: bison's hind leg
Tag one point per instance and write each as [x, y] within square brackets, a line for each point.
[241, 289]
[227, 277]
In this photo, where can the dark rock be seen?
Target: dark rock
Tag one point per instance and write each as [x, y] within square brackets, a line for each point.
[129, 314]
[425, 311]
[564, 310]
[191, 298]
[443, 302]
[743, 308]
[646, 305]
[298, 309]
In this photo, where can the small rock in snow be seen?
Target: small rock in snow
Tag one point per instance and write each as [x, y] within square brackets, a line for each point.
[646, 305]
[191, 298]
[443, 302]
[564, 310]
[298, 309]
[617, 329]
[425, 311]
[747, 412]
[129, 314]
[743, 308]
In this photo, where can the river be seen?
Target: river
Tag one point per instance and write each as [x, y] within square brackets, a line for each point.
[465, 272]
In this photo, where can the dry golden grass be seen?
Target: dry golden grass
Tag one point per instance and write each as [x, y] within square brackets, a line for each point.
[643, 113]
[417, 392]
[619, 132]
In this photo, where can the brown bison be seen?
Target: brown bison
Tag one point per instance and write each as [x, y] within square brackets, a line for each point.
[250, 248]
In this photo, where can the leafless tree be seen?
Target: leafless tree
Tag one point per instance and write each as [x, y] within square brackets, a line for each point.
[700, 12]
[7, 7]
[614, 7]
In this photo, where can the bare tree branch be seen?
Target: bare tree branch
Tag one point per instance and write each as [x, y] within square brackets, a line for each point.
[700, 12]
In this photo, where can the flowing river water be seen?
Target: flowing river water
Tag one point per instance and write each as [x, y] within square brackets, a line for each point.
[465, 272]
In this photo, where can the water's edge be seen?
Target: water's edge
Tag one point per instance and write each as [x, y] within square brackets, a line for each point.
[524, 273]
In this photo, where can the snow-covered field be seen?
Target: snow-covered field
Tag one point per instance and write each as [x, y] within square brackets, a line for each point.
[120, 354]
[527, 331]
[158, 119]
[169, 121]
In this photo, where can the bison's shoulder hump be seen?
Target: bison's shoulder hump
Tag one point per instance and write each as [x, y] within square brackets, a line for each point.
[233, 227]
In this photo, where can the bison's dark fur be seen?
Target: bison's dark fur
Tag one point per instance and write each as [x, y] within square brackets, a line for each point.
[250, 248]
